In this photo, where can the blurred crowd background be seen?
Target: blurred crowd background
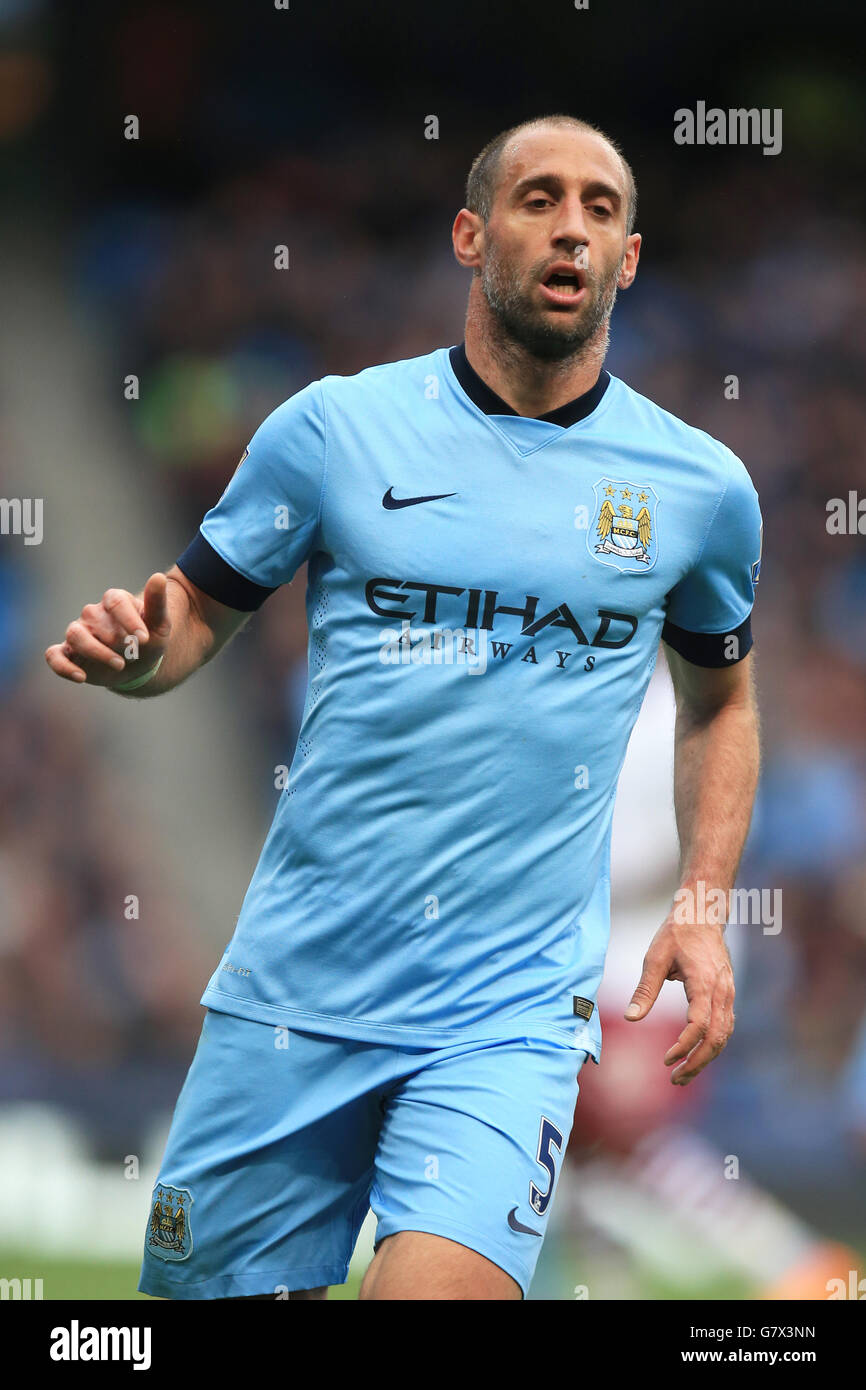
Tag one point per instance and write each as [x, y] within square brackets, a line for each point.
[258, 130]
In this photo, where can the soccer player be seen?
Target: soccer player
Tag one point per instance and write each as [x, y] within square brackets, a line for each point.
[497, 536]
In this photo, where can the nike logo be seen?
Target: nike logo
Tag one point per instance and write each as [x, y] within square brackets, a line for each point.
[393, 504]
[518, 1226]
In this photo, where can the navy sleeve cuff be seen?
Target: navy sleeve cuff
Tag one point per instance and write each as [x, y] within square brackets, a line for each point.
[709, 648]
[215, 577]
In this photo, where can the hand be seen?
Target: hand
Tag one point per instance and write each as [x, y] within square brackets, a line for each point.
[95, 642]
[698, 956]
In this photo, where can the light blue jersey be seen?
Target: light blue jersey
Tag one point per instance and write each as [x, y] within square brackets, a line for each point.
[486, 594]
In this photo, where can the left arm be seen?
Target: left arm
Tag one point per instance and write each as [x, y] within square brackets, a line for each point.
[716, 761]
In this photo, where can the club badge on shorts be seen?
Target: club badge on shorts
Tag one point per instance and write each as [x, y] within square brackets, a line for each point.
[624, 529]
[170, 1235]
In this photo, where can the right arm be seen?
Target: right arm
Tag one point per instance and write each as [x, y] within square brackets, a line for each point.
[262, 528]
[124, 635]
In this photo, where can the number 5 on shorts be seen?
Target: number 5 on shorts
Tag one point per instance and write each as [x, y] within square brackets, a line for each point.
[549, 1137]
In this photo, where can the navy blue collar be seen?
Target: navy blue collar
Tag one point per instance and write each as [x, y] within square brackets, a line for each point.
[480, 393]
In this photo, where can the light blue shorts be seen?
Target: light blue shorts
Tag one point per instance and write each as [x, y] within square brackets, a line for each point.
[282, 1141]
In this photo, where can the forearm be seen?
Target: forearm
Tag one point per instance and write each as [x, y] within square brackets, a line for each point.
[716, 760]
[190, 644]
[716, 764]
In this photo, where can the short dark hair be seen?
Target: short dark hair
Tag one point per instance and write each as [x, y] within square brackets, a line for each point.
[483, 177]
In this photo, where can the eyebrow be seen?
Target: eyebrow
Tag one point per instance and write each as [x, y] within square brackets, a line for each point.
[552, 183]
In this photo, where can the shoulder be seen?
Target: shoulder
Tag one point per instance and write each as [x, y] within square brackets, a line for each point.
[699, 447]
[383, 379]
[299, 425]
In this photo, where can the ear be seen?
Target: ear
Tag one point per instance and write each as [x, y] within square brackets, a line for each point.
[628, 269]
[467, 238]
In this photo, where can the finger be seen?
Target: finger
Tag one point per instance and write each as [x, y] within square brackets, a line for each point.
[62, 666]
[156, 606]
[712, 1045]
[647, 992]
[714, 1041]
[123, 610]
[81, 642]
[102, 625]
[698, 1021]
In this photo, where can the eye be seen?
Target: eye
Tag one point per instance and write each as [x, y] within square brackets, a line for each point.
[538, 202]
[601, 210]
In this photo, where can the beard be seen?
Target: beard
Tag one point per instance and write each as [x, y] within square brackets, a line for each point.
[547, 334]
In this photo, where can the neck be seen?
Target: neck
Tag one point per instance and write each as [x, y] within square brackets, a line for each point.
[530, 385]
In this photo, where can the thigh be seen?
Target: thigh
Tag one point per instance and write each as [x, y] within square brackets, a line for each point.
[418, 1265]
[470, 1150]
[267, 1170]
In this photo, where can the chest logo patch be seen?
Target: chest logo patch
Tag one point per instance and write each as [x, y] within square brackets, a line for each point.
[624, 529]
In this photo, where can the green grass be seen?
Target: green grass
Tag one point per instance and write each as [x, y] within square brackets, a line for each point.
[94, 1281]
[87, 1280]
[70, 1278]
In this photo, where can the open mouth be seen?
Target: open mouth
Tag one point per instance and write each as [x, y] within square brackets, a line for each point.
[563, 284]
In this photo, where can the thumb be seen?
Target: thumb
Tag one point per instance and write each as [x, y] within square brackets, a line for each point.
[647, 992]
[155, 605]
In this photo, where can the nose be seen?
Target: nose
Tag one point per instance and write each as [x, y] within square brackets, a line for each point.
[570, 230]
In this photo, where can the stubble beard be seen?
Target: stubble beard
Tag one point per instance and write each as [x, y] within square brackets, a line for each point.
[546, 335]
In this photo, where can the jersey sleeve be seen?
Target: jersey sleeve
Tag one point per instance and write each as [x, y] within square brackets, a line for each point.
[712, 603]
[264, 525]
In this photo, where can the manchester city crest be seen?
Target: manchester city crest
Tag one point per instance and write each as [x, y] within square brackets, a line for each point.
[624, 528]
[169, 1235]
